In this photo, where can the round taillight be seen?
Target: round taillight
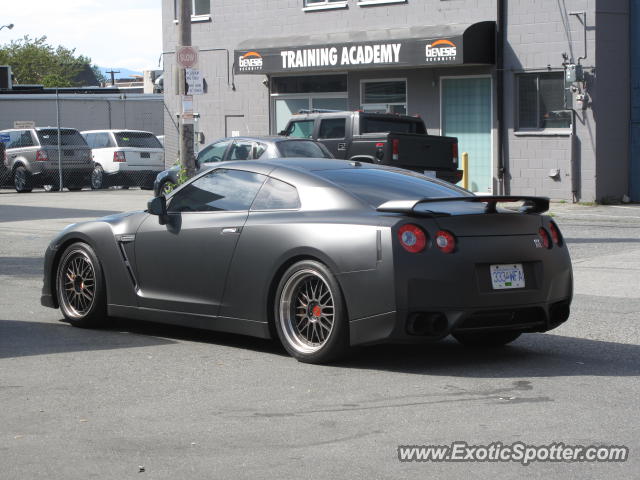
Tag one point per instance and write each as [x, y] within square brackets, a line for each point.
[412, 238]
[544, 236]
[555, 233]
[445, 241]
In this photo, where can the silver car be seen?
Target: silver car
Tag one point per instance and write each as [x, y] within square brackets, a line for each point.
[32, 158]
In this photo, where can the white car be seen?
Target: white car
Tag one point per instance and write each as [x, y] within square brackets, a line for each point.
[125, 158]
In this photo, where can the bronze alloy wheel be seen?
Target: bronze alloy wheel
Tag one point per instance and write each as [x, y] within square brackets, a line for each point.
[77, 284]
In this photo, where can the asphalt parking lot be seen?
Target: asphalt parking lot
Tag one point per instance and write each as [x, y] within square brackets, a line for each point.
[151, 401]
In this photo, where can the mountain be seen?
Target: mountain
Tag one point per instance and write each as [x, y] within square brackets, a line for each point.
[124, 72]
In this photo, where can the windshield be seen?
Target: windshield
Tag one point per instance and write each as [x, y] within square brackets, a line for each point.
[137, 140]
[302, 148]
[376, 187]
[49, 136]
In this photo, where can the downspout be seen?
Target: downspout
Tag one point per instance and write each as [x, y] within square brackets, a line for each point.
[500, 39]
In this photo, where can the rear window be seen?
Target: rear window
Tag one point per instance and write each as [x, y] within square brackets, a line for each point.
[376, 187]
[302, 148]
[49, 136]
[380, 125]
[137, 140]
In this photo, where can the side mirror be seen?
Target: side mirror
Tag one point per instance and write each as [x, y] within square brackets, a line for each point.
[282, 133]
[158, 206]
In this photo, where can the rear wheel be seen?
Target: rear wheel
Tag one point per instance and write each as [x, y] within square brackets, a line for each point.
[486, 339]
[97, 178]
[310, 316]
[80, 287]
[22, 180]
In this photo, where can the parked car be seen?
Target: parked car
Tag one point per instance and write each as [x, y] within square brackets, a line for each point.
[243, 148]
[380, 138]
[325, 253]
[124, 158]
[31, 158]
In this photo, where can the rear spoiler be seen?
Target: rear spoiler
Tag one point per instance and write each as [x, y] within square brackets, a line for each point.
[531, 204]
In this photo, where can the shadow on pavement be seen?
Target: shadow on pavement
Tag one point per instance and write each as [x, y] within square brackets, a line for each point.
[14, 213]
[532, 355]
[21, 339]
[21, 266]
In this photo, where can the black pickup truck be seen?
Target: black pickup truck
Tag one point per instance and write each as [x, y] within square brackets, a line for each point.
[386, 139]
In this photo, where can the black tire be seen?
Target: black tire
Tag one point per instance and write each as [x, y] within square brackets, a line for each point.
[80, 287]
[22, 181]
[299, 323]
[97, 178]
[486, 339]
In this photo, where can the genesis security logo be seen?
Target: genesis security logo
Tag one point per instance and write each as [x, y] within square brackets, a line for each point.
[441, 51]
[250, 61]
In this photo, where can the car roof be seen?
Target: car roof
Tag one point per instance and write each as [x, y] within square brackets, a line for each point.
[266, 138]
[114, 130]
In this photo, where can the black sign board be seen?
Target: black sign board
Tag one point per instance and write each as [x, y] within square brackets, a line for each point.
[474, 46]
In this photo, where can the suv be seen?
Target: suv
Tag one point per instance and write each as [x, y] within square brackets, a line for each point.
[124, 157]
[31, 158]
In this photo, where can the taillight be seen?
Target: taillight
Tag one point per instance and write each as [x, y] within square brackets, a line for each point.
[555, 233]
[445, 241]
[544, 236]
[412, 238]
[395, 148]
[41, 156]
[380, 150]
[119, 157]
[454, 152]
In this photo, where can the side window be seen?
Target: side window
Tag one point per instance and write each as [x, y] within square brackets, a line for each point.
[300, 129]
[213, 153]
[20, 138]
[258, 150]
[103, 140]
[89, 138]
[332, 128]
[220, 190]
[276, 195]
[241, 150]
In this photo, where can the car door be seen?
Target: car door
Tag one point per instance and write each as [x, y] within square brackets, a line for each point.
[182, 265]
[332, 134]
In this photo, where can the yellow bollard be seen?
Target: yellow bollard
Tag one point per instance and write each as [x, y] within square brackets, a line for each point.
[465, 170]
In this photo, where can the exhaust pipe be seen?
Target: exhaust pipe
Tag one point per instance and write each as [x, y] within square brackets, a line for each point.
[427, 324]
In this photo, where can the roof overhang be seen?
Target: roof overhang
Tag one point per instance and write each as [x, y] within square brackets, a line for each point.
[429, 46]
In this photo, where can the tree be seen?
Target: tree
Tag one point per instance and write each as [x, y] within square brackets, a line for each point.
[34, 61]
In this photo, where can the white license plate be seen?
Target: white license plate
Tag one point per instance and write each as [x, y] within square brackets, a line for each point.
[507, 276]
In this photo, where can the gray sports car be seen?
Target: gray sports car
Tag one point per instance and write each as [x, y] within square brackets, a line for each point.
[324, 254]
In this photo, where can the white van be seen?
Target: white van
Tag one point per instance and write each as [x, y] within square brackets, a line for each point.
[125, 158]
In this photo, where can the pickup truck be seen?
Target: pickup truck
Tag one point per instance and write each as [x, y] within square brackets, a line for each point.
[386, 139]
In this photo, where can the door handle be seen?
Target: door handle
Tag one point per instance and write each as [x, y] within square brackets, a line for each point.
[231, 230]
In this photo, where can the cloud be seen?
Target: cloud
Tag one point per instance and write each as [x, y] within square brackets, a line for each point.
[117, 33]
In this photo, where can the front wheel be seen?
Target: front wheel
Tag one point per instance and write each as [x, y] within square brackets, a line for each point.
[486, 339]
[310, 316]
[80, 287]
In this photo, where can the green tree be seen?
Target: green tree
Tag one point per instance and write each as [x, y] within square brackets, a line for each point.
[34, 61]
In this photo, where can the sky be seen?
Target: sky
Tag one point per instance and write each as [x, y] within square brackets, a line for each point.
[113, 33]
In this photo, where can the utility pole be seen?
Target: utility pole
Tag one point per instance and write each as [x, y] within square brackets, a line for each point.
[187, 159]
[113, 78]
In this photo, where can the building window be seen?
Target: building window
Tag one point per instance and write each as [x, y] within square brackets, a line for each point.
[290, 95]
[384, 96]
[323, 4]
[364, 3]
[200, 10]
[541, 101]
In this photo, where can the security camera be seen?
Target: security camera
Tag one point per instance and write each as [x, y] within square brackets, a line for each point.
[265, 82]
